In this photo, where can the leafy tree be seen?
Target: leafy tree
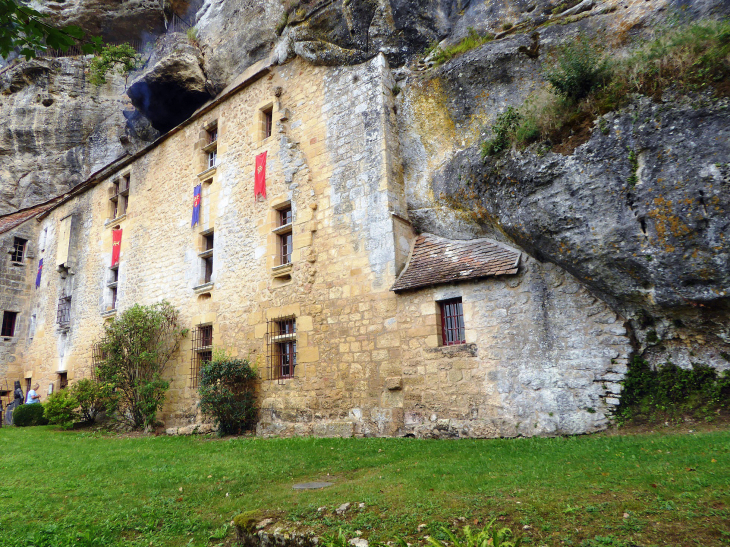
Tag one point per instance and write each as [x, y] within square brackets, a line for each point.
[23, 28]
[227, 394]
[122, 58]
[138, 345]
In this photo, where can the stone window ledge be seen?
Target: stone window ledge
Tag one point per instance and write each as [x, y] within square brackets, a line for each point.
[114, 221]
[109, 313]
[20, 264]
[209, 172]
[205, 287]
[458, 350]
[210, 146]
[281, 271]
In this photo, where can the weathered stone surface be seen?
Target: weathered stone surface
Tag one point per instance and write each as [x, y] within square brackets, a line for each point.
[173, 85]
[57, 129]
[110, 19]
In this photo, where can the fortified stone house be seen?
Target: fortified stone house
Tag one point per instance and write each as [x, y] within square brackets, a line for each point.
[358, 326]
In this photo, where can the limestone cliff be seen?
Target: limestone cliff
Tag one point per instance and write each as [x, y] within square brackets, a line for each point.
[655, 249]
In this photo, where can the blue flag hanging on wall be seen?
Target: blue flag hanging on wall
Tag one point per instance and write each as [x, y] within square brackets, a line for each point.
[38, 277]
[196, 206]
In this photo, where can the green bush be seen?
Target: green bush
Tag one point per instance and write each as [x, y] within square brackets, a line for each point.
[91, 397]
[502, 130]
[578, 69]
[226, 393]
[29, 415]
[60, 409]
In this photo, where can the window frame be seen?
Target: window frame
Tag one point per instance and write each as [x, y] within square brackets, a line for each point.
[63, 312]
[9, 324]
[267, 121]
[202, 347]
[453, 328]
[284, 234]
[206, 255]
[62, 380]
[281, 346]
[20, 250]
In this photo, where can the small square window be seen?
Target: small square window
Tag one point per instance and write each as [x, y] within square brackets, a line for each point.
[18, 253]
[62, 380]
[452, 322]
[9, 320]
[212, 135]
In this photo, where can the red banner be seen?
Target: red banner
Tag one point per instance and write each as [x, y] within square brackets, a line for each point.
[259, 186]
[116, 246]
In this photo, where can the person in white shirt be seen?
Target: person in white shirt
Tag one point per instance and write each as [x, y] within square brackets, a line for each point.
[32, 396]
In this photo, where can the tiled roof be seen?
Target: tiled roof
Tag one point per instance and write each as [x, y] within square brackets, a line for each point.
[436, 260]
[12, 220]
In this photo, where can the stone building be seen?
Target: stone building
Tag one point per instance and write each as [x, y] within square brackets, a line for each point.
[358, 325]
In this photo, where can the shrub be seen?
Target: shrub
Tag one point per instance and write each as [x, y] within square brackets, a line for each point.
[60, 409]
[503, 129]
[29, 415]
[192, 34]
[138, 344]
[226, 393]
[578, 69]
[91, 398]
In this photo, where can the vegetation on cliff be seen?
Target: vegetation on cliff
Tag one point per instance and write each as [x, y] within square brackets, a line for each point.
[587, 81]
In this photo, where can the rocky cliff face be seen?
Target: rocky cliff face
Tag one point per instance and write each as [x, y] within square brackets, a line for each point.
[57, 129]
[650, 238]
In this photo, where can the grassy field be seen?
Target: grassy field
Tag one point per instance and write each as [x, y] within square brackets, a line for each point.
[76, 488]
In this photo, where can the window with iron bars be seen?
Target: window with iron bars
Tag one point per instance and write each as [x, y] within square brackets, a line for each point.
[202, 351]
[63, 316]
[18, 249]
[452, 322]
[98, 356]
[281, 334]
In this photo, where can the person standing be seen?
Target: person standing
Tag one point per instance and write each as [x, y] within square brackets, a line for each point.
[32, 396]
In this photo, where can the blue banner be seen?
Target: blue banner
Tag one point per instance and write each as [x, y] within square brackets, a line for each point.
[196, 206]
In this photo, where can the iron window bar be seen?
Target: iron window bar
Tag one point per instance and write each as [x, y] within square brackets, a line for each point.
[281, 348]
[202, 351]
[98, 356]
[63, 315]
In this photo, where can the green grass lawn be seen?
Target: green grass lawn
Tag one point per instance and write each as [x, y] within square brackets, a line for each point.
[76, 488]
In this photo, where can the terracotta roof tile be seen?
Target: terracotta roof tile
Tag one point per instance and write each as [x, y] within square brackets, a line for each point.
[436, 260]
[13, 220]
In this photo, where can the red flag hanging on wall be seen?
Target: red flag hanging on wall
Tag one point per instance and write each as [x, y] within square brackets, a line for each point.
[116, 246]
[259, 186]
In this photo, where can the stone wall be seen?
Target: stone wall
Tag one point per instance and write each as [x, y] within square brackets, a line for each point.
[542, 355]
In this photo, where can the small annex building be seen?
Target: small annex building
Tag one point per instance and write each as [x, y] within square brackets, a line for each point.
[275, 220]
